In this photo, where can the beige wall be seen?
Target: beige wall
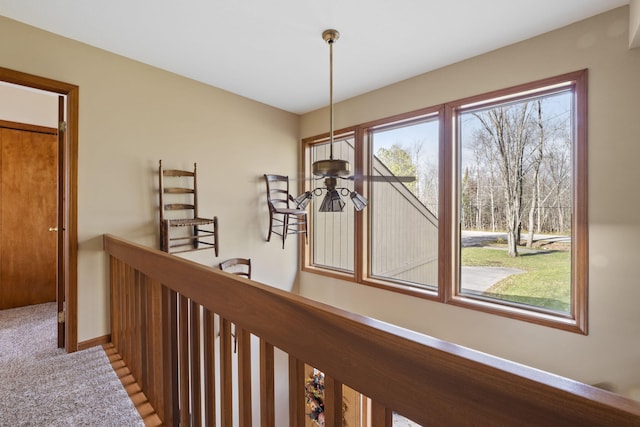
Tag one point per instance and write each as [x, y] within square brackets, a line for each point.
[611, 351]
[132, 115]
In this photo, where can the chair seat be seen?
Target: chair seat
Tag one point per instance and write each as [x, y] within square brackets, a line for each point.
[189, 222]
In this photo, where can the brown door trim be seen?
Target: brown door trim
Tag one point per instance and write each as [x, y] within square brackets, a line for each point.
[62, 208]
[68, 188]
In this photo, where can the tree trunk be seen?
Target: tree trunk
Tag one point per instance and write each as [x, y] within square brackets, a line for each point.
[531, 224]
[513, 225]
[512, 239]
[535, 197]
[539, 205]
[479, 225]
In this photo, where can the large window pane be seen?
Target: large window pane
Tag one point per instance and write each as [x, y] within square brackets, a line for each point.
[404, 215]
[515, 202]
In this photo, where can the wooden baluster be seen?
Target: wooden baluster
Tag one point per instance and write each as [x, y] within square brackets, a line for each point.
[267, 391]
[296, 392]
[226, 381]
[183, 360]
[122, 304]
[196, 366]
[124, 318]
[332, 401]
[244, 376]
[135, 366]
[381, 416]
[171, 409]
[209, 369]
[155, 386]
[131, 320]
[116, 284]
[144, 334]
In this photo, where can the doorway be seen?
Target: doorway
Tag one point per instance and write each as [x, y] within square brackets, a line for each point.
[66, 227]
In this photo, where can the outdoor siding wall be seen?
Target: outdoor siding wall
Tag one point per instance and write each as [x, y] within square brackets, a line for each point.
[401, 222]
[611, 351]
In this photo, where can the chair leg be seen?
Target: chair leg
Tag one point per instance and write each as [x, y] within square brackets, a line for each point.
[164, 233]
[215, 235]
[270, 226]
[285, 228]
[306, 235]
[161, 243]
[196, 242]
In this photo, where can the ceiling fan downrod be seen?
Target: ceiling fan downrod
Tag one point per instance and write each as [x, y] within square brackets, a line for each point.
[331, 167]
[330, 36]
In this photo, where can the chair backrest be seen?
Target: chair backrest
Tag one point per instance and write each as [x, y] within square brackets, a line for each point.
[239, 266]
[277, 191]
[178, 191]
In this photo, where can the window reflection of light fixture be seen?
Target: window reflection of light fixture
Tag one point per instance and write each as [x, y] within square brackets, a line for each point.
[332, 168]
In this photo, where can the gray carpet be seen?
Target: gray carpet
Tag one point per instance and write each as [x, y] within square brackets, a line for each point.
[41, 385]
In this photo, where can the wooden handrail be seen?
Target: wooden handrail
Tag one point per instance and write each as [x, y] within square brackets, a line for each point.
[430, 381]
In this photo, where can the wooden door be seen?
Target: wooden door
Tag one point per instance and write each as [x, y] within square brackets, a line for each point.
[28, 214]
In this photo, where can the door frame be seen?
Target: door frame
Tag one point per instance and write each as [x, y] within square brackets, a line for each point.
[67, 195]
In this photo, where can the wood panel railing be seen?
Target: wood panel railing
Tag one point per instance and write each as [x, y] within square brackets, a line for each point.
[167, 314]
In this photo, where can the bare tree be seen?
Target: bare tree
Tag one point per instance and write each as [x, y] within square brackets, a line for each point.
[507, 129]
[522, 151]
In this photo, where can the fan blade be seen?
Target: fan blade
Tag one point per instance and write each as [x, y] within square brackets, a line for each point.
[373, 178]
[382, 178]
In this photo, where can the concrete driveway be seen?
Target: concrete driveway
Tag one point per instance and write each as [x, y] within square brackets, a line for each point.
[479, 279]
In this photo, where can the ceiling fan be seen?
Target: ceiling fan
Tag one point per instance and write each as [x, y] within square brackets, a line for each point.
[332, 169]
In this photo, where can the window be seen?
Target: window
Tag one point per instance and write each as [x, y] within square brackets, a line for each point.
[403, 216]
[494, 217]
[332, 235]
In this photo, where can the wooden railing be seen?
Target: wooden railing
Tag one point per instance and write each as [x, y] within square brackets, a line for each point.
[164, 311]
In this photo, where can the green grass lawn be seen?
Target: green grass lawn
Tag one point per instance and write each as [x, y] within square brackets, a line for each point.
[546, 282]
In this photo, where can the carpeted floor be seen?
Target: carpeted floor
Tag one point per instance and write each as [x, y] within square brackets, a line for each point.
[41, 385]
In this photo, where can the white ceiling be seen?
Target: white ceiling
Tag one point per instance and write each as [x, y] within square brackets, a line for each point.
[273, 52]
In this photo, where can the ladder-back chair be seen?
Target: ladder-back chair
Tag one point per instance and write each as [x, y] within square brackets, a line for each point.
[238, 266]
[283, 220]
[180, 225]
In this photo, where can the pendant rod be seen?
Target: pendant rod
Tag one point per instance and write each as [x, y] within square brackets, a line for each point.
[330, 36]
[331, 98]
